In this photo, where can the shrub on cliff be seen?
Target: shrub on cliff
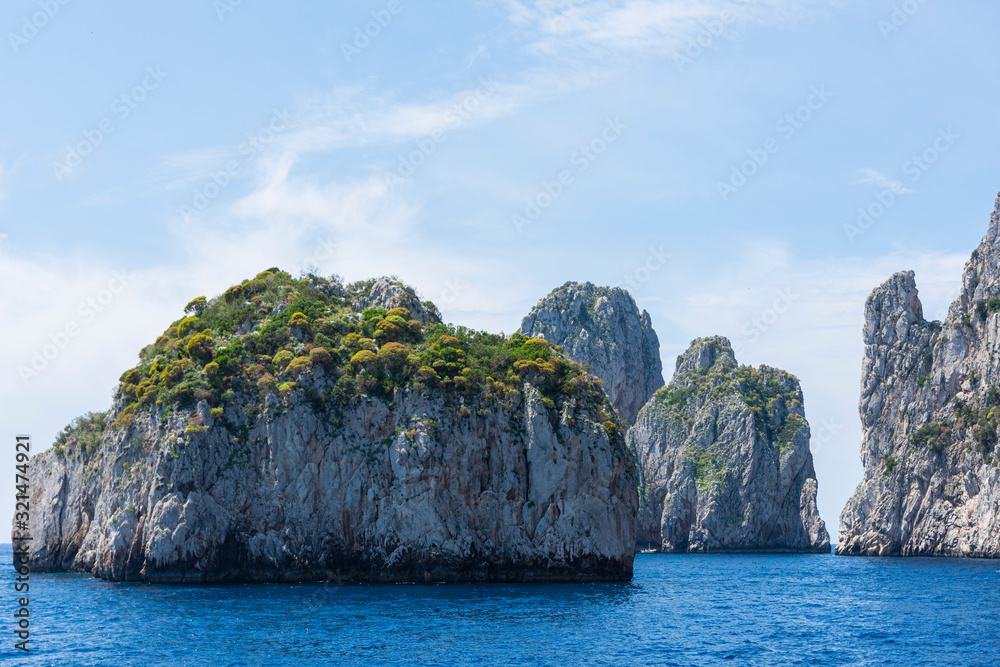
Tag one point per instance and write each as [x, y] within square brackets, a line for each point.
[933, 435]
[393, 355]
[200, 348]
[364, 358]
[83, 433]
[255, 286]
[196, 307]
[266, 383]
[174, 372]
[321, 357]
[189, 325]
[282, 359]
[298, 366]
[233, 293]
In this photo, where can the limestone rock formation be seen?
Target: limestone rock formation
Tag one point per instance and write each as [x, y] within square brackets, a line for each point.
[388, 292]
[724, 460]
[327, 445]
[930, 413]
[603, 327]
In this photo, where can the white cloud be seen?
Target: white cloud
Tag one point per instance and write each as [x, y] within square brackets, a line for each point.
[644, 26]
[184, 168]
[352, 117]
[869, 176]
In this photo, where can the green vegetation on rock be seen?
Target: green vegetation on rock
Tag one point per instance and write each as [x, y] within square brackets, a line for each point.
[770, 394]
[792, 424]
[934, 435]
[890, 465]
[987, 306]
[709, 470]
[273, 333]
[83, 434]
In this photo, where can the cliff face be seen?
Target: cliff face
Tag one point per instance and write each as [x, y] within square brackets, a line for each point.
[401, 461]
[602, 326]
[930, 412]
[724, 460]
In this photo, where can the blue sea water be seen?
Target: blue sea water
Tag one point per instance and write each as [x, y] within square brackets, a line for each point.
[679, 610]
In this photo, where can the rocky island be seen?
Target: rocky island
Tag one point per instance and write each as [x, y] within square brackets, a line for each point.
[301, 429]
[602, 327]
[724, 460]
[930, 413]
[722, 452]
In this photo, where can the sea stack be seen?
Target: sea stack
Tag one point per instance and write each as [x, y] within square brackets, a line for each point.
[724, 460]
[930, 413]
[303, 430]
[602, 327]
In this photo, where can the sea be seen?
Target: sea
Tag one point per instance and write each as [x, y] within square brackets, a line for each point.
[678, 610]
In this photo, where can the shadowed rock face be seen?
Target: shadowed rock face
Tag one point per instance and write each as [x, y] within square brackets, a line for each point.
[508, 497]
[513, 482]
[603, 327]
[724, 460]
[930, 413]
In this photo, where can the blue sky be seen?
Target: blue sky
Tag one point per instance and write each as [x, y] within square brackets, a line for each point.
[706, 155]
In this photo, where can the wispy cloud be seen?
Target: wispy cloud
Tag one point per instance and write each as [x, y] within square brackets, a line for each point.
[645, 26]
[869, 176]
[478, 52]
[355, 117]
[183, 168]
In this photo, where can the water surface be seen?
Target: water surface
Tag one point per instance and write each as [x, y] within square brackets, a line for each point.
[679, 610]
